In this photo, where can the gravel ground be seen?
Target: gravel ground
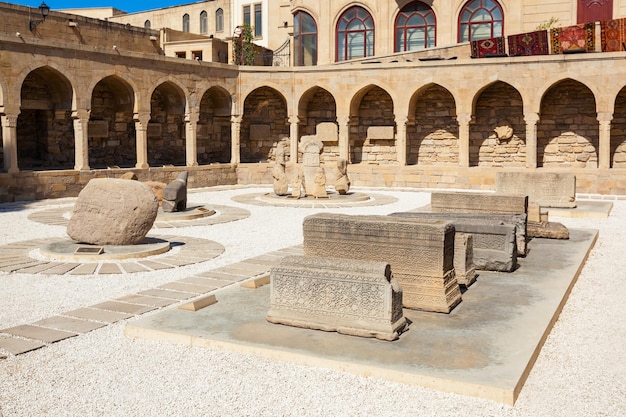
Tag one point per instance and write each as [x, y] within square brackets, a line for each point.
[581, 370]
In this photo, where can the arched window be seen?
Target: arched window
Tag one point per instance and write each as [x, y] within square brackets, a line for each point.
[204, 24]
[305, 39]
[185, 22]
[219, 20]
[480, 19]
[355, 34]
[415, 27]
[147, 24]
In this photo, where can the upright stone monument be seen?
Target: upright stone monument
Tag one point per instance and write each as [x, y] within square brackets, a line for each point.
[421, 253]
[342, 183]
[175, 194]
[311, 148]
[112, 211]
[355, 297]
[548, 189]
[281, 185]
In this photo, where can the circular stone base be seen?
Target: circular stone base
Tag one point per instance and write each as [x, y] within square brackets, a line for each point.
[332, 198]
[193, 211]
[69, 250]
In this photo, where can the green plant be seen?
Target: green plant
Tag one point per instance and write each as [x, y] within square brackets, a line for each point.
[549, 24]
[243, 46]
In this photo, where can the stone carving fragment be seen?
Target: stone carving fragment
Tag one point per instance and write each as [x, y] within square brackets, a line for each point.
[548, 189]
[311, 148]
[342, 183]
[296, 184]
[175, 194]
[355, 297]
[320, 184]
[112, 211]
[421, 253]
[281, 185]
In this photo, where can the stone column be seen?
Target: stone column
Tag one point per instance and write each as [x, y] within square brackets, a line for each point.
[141, 133]
[9, 142]
[344, 137]
[604, 145]
[464, 120]
[401, 122]
[81, 139]
[235, 128]
[293, 139]
[191, 139]
[531, 120]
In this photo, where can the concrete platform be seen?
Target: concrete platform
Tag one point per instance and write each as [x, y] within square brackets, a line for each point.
[69, 250]
[584, 209]
[486, 347]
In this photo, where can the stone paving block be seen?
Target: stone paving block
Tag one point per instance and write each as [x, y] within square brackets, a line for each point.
[40, 267]
[84, 269]
[16, 346]
[63, 269]
[248, 269]
[260, 263]
[131, 267]
[69, 324]
[109, 268]
[39, 333]
[155, 265]
[221, 276]
[174, 295]
[176, 261]
[181, 286]
[146, 300]
[18, 266]
[233, 271]
[98, 315]
[208, 282]
[200, 303]
[123, 307]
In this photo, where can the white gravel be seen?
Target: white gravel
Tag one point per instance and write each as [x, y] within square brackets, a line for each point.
[581, 370]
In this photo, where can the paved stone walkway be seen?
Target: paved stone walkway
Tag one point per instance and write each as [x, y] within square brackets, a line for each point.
[265, 199]
[25, 338]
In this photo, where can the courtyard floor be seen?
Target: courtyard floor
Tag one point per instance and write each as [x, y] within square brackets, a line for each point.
[580, 371]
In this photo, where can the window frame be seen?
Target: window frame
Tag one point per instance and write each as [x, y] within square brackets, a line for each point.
[469, 23]
[204, 22]
[405, 28]
[186, 23]
[342, 53]
[219, 20]
[299, 37]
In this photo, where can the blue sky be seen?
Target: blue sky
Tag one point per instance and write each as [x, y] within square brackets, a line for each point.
[127, 6]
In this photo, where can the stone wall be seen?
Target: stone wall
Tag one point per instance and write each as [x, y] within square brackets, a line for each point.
[375, 109]
[567, 133]
[618, 132]
[433, 138]
[320, 107]
[499, 105]
[214, 133]
[166, 134]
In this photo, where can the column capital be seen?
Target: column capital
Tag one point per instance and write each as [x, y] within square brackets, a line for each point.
[531, 118]
[401, 120]
[192, 117]
[80, 114]
[9, 120]
[464, 118]
[605, 117]
[343, 119]
[236, 119]
[294, 119]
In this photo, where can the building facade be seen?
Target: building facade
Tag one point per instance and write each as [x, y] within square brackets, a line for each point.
[83, 98]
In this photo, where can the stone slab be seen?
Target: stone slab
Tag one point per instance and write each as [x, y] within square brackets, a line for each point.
[486, 347]
[120, 307]
[200, 303]
[467, 202]
[85, 269]
[186, 287]
[39, 333]
[146, 300]
[584, 209]
[257, 282]
[69, 324]
[16, 346]
[548, 189]
[174, 295]
[104, 316]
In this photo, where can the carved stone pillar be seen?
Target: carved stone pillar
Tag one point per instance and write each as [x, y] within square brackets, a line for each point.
[464, 120]
[293, 139]
[344, 137]
[81, 140]
[604, 145]
[191, 139]
[9, 142]
[141, 134]
[531, 120]
[235, 128]
[401, 122]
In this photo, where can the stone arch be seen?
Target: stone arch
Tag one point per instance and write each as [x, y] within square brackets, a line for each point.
[372, 127]
[618, 131]
[214, 129]
[318, 106]
[112, 140]
[433, 131]
[166, 130]
[45, 130]
[567, 132]
[498, 134]
[264, 124]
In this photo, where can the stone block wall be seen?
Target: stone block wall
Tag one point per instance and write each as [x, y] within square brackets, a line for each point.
[263, 107]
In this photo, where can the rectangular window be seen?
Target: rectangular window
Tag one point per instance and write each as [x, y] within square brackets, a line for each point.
[181, 55]
[197, 55]
[246, 15]
[258, 21]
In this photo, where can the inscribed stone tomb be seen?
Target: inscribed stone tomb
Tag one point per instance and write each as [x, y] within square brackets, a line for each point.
[420, 253]
[548, 189]
[311, 147]
[355, 297]
[327, 132]
[459, 202]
